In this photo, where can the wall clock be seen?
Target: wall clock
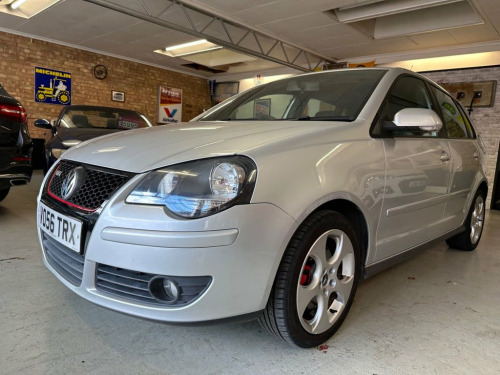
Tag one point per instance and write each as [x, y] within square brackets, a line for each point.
[100, 71]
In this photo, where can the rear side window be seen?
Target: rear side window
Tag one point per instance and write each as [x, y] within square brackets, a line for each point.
[455, 121]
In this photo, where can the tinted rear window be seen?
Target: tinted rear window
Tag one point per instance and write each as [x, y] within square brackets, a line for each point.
[103, 119]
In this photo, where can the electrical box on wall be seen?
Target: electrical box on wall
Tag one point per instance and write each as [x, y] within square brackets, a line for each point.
[480, 94]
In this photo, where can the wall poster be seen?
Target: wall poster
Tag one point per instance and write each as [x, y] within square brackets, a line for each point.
[52, 86]
[169, 105]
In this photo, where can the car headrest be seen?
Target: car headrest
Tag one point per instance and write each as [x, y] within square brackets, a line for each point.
[80, 121]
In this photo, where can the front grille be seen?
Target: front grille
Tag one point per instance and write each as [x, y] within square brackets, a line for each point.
[67, 262]
[98, 185]
[134, 285]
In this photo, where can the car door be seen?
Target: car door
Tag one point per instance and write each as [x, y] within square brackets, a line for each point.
[464, 153]
[417, 174]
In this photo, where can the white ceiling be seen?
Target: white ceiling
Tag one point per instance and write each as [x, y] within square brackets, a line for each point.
[310, 25]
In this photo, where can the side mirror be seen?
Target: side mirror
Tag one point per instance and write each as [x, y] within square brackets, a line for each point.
[415, 120]
[43, 124]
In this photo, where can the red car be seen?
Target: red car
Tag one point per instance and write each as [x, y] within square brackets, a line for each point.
[15, 144]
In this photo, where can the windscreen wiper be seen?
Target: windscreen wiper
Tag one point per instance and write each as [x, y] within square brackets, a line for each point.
[326, 118]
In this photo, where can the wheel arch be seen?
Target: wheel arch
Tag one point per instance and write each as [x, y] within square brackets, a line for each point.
[484, 187]
[354, 214]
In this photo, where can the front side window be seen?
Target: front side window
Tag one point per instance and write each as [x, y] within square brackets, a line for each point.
[328, 96]
[454, 120]
[407, 92]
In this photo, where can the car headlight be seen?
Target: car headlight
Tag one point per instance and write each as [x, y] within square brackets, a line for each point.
[199, 188]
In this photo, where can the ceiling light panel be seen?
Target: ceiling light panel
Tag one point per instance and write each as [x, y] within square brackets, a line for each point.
[459, 14]
[370, 9]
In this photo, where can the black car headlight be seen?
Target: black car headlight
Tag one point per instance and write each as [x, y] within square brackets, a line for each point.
[198, 188]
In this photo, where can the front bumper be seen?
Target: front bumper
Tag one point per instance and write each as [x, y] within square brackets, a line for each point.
[239, 249]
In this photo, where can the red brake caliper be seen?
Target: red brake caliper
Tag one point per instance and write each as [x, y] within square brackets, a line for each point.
[305, 279]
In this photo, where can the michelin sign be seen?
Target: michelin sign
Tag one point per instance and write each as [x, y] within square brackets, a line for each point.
[52, 86]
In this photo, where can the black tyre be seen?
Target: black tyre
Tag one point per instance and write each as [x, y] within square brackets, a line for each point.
[3, 193]
[474, 224]
[316, 281]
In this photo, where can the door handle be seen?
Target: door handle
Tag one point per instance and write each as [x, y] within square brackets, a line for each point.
[444, 157]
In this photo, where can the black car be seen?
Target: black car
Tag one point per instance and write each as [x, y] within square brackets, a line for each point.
[15, 144]
[78, 123]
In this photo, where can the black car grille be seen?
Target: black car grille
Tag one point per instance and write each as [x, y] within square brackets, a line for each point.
[98, 185]
[67, 262]
[134, 285]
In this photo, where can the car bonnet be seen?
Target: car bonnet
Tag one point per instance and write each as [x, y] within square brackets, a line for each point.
[142, 150]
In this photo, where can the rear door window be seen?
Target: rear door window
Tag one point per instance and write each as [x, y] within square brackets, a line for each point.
[455, 121]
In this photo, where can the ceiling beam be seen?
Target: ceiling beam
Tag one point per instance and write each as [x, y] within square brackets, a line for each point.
[232, 35]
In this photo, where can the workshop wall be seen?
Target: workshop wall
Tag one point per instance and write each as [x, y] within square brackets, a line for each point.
[486, 119]
[20, 55]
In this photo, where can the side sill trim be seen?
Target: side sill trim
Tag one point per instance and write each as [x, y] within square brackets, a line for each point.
[375, 268]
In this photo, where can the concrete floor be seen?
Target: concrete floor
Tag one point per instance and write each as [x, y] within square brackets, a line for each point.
[438, 313]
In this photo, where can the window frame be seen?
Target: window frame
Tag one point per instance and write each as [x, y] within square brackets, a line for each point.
[470, 130]
[442, 134]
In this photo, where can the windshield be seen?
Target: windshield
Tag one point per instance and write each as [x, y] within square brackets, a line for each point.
[103, 118]
[330, 96]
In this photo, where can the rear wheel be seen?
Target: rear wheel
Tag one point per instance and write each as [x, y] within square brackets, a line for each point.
[3, 193]
[474, 224]
[316, 281]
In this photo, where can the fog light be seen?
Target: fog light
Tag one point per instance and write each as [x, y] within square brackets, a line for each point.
[165, 289]
[171, 289]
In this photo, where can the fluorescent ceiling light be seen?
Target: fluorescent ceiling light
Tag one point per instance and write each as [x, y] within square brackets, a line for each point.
[370, 9]
[191, 48]
[26, 9]
[16, 4]
[187, 45]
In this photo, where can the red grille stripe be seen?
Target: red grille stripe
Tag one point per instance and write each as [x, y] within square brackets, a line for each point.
[62, 200]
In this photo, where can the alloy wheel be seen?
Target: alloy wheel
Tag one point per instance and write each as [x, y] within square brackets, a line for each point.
[326, 281]
[477, 219]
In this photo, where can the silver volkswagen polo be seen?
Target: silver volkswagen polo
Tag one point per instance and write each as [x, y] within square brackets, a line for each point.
[272, 205]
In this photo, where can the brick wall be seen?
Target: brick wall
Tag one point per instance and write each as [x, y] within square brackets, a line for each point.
[486, 120]
[19, 56]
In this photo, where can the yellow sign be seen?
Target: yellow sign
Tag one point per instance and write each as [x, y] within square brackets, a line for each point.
[368, 64]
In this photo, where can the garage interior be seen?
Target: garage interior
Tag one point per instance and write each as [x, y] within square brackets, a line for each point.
[436, 313]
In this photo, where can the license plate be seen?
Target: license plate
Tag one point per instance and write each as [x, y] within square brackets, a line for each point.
[62, 228]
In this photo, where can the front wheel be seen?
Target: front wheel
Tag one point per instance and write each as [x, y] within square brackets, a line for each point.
[474, 224]
[3, 193]
[316, 281]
